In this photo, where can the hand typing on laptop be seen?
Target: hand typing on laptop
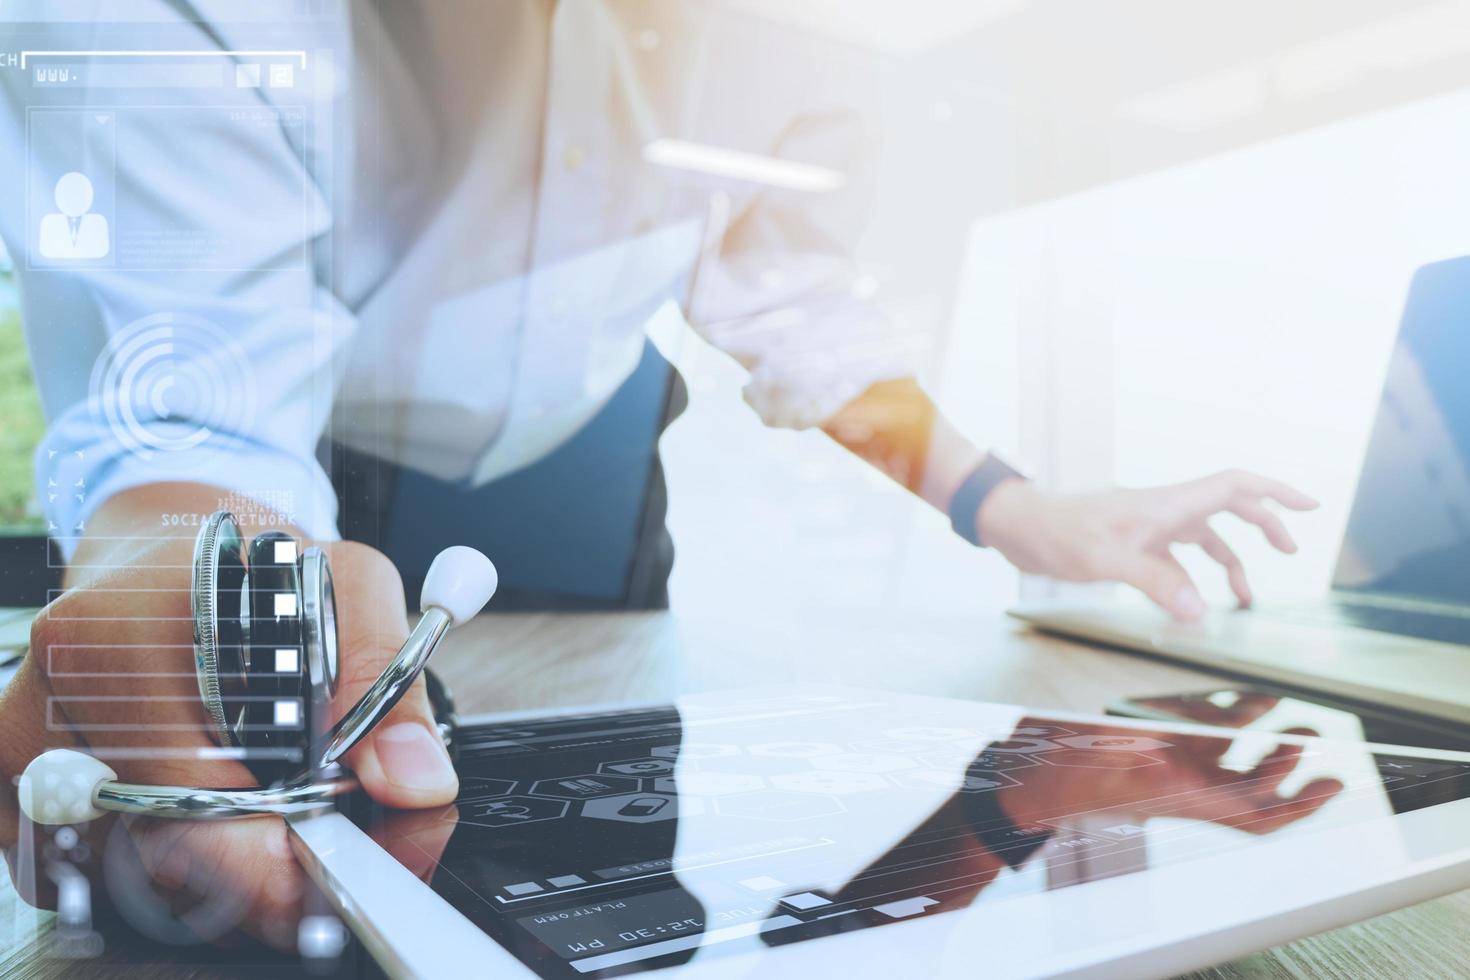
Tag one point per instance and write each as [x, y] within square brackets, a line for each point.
[1125, 535]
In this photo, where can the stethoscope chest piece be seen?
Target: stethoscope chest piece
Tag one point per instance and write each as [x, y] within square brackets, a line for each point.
[266, 657]
[265, 643]
[219, 572]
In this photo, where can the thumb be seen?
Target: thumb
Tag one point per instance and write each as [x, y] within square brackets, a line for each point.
[1165, 581]
[402, 762]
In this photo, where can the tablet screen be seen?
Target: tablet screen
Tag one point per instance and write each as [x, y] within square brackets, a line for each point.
[611, 843]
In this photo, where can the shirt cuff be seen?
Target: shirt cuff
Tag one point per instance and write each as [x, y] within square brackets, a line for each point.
[76, 477]
[819, 358]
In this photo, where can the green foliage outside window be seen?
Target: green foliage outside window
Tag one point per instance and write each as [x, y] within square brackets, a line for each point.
[21, 423]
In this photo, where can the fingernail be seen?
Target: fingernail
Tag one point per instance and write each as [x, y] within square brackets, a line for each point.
[1188, 604]
[413, 758]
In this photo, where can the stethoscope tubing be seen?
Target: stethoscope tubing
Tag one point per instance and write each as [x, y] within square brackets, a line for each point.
[191, 803]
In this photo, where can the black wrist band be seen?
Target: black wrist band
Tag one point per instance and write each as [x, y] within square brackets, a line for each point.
[964, 506]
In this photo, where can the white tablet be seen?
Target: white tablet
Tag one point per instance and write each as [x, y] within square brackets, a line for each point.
[839, 833]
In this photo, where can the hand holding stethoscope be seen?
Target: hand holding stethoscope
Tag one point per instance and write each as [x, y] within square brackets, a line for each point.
[265, 655]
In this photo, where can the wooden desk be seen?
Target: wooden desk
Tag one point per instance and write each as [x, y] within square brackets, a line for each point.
[524, 661]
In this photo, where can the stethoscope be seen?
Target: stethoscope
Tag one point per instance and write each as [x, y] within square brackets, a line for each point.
[265, 655]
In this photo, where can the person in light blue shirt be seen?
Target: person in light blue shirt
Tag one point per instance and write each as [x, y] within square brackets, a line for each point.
[428, 236]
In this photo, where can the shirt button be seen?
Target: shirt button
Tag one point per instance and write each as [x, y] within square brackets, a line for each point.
[574, 156]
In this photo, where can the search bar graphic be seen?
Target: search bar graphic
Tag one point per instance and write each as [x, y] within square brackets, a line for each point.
[127, 75]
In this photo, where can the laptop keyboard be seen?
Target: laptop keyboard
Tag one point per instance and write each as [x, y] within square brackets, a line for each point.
[1428, 626]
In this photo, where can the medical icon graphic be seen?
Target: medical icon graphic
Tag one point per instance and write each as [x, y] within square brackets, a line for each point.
[73, 231]
[172, 384]
[638, 767]
[641, 808]
[1106, 742]
[510, 811]
[584, 787]
[986, 761]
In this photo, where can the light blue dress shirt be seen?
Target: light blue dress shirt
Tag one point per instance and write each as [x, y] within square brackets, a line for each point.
[433, 232]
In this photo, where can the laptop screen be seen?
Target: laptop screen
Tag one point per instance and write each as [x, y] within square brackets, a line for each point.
[1409, 531]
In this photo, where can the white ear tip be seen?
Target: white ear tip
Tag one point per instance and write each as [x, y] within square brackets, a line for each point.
[460, 582]
[60, 787]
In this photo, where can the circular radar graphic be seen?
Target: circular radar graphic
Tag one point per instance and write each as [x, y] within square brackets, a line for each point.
[170, 384]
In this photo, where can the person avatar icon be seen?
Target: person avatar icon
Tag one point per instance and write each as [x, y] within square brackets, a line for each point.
[74, 233]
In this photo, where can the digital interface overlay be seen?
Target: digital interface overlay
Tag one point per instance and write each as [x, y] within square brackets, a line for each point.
[611, 843]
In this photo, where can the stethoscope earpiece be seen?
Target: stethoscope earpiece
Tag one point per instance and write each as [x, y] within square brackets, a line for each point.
[60, 786]
[459, 581]
[458, 584]
[252, 611]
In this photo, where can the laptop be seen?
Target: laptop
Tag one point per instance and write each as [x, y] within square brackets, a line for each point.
[1394, 628]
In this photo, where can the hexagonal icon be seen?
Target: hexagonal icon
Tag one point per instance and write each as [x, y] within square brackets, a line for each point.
[641, 807]
[1042, 731]
[483, 787]
[957, 782]
[866, 762]
[1106, 742]
[638, 767]
[706, 783]
[1091, 759]
[1000, 762]
[1022, 746]
[929, 733]
[586, 787]
[779, 806]
[511, 811]
[994, 762]
[794, 750]
[834, 782]
[694, 750]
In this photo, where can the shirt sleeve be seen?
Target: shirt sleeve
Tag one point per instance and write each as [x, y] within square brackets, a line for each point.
[783, 294]
[214, 371]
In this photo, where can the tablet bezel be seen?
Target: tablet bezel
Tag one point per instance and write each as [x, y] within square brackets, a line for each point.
[408, 927]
